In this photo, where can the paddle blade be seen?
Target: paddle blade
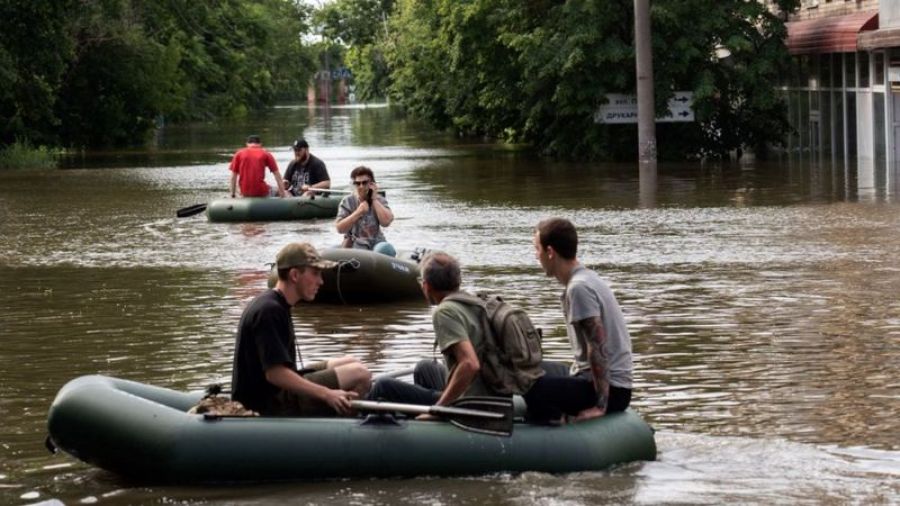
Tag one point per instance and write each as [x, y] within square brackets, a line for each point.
[501, 424]
[184, 212]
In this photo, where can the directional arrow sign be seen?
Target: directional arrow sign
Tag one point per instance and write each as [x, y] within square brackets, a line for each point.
[621, 108]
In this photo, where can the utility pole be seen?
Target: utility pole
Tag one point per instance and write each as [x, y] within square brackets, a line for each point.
[644, 66]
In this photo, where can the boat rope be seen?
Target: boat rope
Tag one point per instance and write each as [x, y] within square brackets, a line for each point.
[353, 263]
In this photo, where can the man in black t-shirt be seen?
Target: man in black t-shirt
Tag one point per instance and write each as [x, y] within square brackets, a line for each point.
[265, 376]
[305, 171]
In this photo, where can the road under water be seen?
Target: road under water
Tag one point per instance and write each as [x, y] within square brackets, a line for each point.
[761, 298]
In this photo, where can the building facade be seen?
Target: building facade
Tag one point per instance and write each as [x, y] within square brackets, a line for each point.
[844, 92]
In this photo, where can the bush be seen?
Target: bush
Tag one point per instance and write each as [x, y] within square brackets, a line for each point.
[22, 155]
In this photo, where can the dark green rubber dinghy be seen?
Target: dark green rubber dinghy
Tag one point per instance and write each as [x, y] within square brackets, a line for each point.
[145, 433]
[273, 208]
[367, 277]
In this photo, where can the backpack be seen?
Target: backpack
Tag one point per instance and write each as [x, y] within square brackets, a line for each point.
[510, 354]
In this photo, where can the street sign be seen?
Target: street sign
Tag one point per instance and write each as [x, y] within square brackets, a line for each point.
[622, 108]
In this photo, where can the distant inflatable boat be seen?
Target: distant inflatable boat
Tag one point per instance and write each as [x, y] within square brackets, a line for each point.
[144, 433]
[273, 208]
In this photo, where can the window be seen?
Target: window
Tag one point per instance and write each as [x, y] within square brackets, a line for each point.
[825, 71]
[850, 70]
[879, 68]
[837, 71]
[863, 69]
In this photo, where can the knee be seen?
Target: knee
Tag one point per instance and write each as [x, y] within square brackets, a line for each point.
[361, 376]
[383, 389]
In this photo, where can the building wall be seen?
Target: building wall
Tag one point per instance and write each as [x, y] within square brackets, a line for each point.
[810, 9]
[889, 15]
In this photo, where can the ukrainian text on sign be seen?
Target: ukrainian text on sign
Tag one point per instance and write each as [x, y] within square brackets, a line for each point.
[621, 108]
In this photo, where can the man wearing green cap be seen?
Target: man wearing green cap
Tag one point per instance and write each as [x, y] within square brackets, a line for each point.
[265, 377]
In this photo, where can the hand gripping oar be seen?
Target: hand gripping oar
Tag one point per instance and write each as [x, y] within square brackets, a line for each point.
[184, 212]
[485, 415]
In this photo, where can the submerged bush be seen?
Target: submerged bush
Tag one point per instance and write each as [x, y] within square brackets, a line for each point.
[22, 155]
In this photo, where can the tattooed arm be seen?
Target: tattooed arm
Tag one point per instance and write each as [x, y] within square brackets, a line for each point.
[591, 331]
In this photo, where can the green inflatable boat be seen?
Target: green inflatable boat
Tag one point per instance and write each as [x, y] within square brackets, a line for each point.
[273, 209]
[367, 277]
[144, 433]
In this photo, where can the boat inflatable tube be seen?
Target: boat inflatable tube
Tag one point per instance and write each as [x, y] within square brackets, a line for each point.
[144, 433]
[367, 277]
[273, 208]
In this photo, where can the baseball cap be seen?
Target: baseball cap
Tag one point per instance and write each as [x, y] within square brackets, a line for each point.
[253, 139]
[299, 254]
[301, 143]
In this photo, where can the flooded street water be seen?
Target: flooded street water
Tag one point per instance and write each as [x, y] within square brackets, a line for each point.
[761, 299]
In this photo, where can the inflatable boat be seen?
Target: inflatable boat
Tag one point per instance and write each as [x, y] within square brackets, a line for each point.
[273, 208]
[365, 277]
[145, 433]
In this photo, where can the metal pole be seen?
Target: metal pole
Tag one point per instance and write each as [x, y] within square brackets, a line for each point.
[644, 67]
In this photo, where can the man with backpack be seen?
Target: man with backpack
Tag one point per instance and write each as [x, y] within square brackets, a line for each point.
[491, 349]
[459, 331]
[594, 324]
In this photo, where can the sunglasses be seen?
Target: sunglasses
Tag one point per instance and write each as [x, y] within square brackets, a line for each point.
[362, 183]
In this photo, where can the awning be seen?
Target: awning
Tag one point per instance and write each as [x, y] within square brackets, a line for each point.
[833, 34]
[878, 39]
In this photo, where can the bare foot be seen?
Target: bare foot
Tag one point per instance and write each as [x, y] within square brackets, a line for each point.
[587, 414]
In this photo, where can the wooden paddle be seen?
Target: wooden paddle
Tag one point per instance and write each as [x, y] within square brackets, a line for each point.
[484, 415]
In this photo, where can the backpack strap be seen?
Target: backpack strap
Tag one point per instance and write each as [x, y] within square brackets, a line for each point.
[465, 298]
[473, 300]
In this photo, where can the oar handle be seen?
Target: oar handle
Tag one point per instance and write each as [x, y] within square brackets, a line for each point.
[329, 190]
[390, 406]
[418, 409]
[451, 411]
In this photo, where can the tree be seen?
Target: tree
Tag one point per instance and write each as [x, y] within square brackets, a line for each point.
[360, 26]
[103, 72]
[537, 71]
[33, 58]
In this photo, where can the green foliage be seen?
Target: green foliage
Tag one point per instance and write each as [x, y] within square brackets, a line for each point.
[537, 71]
[370, 72]
[22, 155]
[417, 59]
[102, 72]
[362, 27]
[34, 53]
[354, 22]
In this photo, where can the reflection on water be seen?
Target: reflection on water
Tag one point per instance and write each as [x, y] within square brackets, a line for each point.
[761, 298]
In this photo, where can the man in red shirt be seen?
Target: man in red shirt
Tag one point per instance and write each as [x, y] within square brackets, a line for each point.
[249, 164]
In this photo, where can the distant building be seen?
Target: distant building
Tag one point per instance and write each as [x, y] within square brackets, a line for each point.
[329, 87]
[844, 93]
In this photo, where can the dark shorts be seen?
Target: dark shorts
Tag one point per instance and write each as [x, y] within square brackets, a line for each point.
[294, 404]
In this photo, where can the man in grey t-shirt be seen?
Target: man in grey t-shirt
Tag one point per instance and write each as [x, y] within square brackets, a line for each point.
[594, 322]
[363, 214]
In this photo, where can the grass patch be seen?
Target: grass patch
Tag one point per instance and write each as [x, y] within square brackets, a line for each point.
[22, 155]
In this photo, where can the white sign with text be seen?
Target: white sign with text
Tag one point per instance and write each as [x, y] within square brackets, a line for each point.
[622, 108]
